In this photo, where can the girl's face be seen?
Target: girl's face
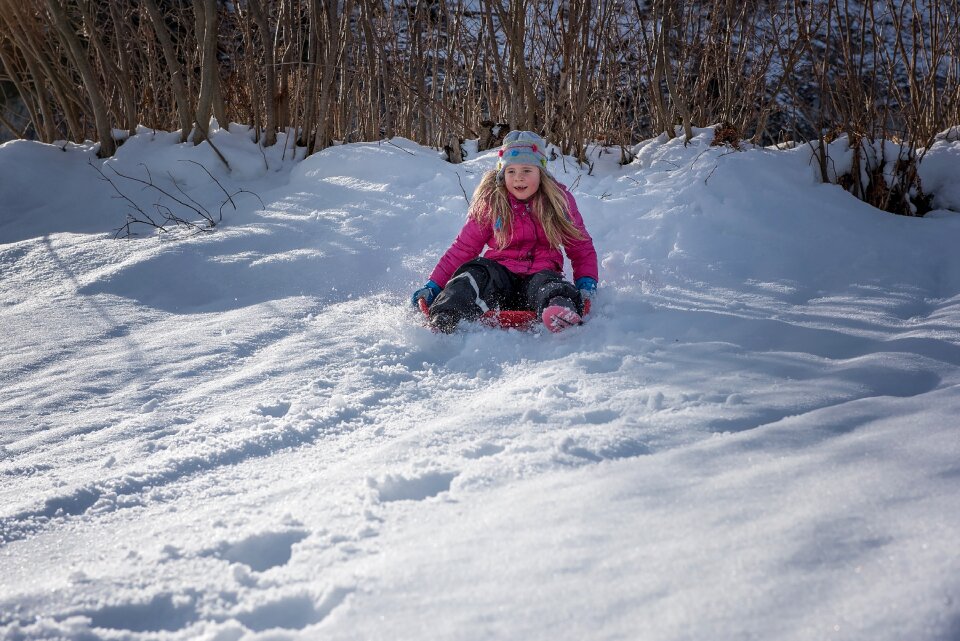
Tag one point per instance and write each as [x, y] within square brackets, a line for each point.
[522, 181]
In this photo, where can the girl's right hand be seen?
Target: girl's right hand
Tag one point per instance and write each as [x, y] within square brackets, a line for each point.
[428, 292]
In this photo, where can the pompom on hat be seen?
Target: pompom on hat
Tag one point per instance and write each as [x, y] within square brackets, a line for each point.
[522, 148]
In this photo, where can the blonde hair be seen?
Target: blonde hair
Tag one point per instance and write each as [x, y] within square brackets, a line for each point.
[490, 206]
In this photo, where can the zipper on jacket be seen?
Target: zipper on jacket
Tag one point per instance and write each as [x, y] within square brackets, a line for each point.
[531, 253]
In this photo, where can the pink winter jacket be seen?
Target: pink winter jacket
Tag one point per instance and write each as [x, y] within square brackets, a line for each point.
[527, 252]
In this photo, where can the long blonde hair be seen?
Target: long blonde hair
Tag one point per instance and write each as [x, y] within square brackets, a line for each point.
[490, 206]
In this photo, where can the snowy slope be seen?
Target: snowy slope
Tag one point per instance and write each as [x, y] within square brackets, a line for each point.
[248, 434]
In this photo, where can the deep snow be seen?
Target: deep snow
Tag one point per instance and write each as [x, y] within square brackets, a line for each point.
[248, 434]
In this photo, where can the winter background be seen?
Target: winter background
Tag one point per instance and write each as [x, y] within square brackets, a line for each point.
[248, 434]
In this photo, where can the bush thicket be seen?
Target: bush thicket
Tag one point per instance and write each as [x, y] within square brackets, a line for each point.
[441, 71]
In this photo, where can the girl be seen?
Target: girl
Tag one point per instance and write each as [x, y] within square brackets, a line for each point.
[523, 216]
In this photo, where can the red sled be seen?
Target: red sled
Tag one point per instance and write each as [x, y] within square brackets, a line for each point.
[507, 318]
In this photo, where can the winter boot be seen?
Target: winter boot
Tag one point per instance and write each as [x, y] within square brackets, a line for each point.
[560, 314]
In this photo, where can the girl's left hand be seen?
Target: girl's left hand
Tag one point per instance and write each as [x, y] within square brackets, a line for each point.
[587, 286]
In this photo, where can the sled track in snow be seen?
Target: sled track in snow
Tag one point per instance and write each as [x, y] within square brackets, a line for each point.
[120, 493]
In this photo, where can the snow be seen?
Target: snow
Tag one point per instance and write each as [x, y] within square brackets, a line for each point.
[248, 434]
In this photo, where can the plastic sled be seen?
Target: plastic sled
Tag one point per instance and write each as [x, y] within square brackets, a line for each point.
[507, 318]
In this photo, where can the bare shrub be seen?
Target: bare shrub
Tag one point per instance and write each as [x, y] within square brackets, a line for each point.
[604, 71]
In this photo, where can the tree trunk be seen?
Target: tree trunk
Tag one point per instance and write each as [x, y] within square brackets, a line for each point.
[313, 79]
[666, 68]
[115, 79]
[40, 70]
[269, 71]
[206, 15]
[176, 70]
[329, 20]
[97, 103]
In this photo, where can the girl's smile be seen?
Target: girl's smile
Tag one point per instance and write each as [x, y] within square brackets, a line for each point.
[522, 181]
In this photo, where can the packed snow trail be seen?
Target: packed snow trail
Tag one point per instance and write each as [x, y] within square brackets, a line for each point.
[249, 434]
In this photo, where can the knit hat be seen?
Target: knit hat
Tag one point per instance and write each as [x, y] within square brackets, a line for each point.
[522, 148]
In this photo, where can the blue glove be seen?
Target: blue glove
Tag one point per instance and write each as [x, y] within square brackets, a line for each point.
[428, 292]
[587, 286]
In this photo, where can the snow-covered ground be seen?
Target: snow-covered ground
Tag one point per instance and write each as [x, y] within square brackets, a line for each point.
[248, 434]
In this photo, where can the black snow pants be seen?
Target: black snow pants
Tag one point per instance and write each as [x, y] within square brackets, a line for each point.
[482, 284]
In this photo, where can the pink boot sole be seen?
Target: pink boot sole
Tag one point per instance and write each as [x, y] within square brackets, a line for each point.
[557, 318]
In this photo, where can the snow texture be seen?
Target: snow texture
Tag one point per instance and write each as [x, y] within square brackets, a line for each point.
[248, 434]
